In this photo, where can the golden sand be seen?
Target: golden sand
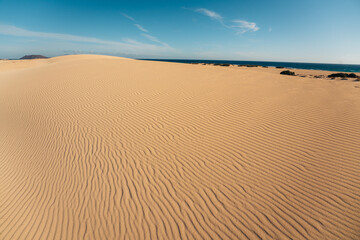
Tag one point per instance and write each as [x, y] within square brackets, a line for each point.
[96, 147]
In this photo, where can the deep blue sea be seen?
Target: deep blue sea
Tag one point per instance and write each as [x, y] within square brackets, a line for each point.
[312, 66]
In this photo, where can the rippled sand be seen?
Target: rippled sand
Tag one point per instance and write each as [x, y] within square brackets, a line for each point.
[96, 147]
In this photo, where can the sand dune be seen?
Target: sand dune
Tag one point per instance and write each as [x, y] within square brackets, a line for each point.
[96, 147]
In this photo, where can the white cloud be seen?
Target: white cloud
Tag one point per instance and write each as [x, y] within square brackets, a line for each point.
[16, 31]
[141, 28]
[242, 26]
[128, 17]
[210, 14]
[148, 36]
[154, 39]
[126, 45]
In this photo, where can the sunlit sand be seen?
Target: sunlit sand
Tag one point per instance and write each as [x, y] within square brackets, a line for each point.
[98, 147]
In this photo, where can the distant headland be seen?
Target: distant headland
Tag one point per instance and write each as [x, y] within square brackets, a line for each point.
[33, 57]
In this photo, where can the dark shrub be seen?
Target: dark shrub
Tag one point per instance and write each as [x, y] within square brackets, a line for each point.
[343, 75]
[352, 75]
[248, 65]
[334, 75]
[287, 72]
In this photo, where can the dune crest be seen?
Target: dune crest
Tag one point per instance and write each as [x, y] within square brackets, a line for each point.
[99, 147]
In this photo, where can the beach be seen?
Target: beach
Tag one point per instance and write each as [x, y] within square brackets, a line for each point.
[100, 147]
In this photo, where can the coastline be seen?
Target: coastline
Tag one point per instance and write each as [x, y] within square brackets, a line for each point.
[303, 73]
[355, 68]
[7, 65]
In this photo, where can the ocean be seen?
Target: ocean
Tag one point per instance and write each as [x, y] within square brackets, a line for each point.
[311, 66]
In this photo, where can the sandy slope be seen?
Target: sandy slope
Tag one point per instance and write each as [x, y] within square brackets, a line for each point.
[95, 147]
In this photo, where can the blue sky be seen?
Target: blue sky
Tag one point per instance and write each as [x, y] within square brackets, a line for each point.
[277, 30]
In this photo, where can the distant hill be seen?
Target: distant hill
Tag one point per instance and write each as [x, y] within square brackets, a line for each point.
[33, 57]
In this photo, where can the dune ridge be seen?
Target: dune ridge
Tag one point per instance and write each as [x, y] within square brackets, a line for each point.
[98, 147]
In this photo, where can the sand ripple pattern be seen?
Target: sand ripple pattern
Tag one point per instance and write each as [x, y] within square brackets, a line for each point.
[98, 147]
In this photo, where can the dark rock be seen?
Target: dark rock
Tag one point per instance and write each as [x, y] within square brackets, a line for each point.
[33, 57]
[280, 67]
[287, 72]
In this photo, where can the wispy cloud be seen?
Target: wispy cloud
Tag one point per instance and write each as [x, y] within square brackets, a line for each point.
[210, 14]
[128, 17]
[141, 28]
[146, 32]
[127, 44]
[154, 39]
[242, 26]
[16, 31]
